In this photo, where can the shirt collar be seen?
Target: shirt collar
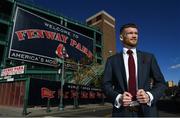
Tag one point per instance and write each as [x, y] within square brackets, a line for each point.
[126, 49]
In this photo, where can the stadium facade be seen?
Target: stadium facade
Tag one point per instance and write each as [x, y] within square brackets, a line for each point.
[39, 48]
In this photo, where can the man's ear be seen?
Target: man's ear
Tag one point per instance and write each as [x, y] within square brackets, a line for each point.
[121, 38]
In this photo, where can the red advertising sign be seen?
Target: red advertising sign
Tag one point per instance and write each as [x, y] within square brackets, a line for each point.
[13, 71]
[47, 93]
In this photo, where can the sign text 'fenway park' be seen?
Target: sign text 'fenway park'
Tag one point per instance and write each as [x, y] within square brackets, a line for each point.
[38, 40]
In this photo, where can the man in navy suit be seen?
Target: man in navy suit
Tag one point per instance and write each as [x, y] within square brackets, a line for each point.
[132, 79]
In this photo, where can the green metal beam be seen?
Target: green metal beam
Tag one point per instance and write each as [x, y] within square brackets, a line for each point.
[41, 72]
[25, 106]
[20, 79]
[4, 22]
[2, 42]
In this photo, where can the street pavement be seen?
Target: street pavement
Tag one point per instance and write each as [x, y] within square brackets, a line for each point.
[54, 111]
[169, 107]
[166, 109]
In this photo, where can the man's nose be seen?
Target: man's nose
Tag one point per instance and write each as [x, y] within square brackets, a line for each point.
[134, 35]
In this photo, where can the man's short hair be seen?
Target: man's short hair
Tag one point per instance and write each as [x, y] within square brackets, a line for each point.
[128, 25]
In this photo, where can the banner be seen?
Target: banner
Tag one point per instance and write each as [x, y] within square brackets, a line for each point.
[38, 40]
[85, 94]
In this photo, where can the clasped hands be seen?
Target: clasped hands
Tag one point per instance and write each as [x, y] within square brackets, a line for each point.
[141, 96]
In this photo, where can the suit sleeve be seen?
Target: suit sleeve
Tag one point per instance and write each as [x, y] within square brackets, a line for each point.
[159, 84]
[107, 83]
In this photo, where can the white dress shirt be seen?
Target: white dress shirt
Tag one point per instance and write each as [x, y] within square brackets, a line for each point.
[125, 57]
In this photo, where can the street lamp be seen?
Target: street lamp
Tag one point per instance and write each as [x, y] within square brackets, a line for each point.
[61, 107]
[64, 55]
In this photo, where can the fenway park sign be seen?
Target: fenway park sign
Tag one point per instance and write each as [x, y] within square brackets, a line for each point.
[13, 71]
[38, 40]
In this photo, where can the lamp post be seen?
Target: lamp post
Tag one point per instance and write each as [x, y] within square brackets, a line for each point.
[61, 106]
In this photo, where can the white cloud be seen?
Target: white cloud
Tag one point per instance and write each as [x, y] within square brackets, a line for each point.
[175, 66]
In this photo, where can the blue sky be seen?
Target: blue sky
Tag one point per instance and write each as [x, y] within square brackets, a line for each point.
[158, 21]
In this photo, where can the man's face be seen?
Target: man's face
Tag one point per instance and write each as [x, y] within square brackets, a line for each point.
[130, 37]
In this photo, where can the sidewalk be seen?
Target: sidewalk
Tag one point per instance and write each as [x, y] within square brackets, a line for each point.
[41, 111]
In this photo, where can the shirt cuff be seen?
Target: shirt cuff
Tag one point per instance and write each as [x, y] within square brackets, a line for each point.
[117, 104]
[150, 98]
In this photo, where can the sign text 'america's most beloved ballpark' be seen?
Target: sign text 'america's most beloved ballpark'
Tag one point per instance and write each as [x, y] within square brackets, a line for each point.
[38, 40]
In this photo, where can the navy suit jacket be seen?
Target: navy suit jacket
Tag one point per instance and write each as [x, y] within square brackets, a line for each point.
[115, 82]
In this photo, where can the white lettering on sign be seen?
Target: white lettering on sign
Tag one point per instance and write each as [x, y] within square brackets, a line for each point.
[13, 71]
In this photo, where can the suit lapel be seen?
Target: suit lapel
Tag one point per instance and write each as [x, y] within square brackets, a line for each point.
[140, 70]
[123, 73]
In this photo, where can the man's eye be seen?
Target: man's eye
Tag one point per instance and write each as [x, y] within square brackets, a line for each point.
[129, 33]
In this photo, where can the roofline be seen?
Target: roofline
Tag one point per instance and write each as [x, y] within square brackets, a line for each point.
[101, 12]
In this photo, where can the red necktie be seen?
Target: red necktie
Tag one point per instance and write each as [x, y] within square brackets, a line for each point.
[132, 75]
